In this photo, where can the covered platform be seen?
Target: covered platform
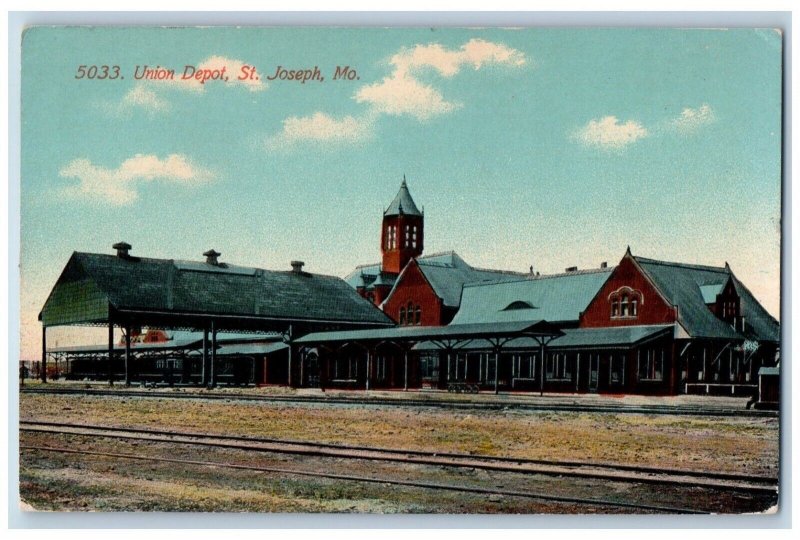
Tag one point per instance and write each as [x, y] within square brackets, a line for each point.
[380, 357]
[127, 292]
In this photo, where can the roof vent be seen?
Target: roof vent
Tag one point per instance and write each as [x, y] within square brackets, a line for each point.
[297, 266]
[604, 264]
[122, 249]
[571, 269]
[212, 257]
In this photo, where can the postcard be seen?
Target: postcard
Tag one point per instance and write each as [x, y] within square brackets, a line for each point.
[400, 270]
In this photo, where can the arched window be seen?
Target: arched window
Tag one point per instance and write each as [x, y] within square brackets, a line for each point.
[625, 302]
[408, 236]
[418, 316]
[414, 237]
[402, 320]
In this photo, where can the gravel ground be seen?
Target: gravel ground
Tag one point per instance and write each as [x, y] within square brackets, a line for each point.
[59, 482]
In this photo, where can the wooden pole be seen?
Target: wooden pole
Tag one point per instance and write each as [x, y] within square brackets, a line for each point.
[541, 371]
[111, 353]
[290, 379]
[369, 367]
[405, 369]
[127, 355]
[496, 369]
[213, 378]
[43, 374]
[204, 367]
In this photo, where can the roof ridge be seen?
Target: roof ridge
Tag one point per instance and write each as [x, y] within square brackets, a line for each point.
[511, 272]
[645, 260]
[533, 277]
[439, 254]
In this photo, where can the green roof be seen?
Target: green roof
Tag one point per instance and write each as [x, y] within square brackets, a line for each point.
[577, 338]
[91, 282]
[683, 284]
[557, 298]
[433, 333]
[448, 273]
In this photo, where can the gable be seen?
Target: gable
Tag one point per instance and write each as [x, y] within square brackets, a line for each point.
[627, 281]
[412, 287]
[75, 298]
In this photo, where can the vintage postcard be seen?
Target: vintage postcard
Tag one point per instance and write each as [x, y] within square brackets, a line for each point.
[401, 270]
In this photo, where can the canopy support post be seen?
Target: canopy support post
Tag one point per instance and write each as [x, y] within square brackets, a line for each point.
[43, 374]
[127, 355]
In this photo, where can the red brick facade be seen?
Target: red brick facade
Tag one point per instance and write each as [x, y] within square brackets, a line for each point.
[627, 281]
[412, 291]
[401, 240]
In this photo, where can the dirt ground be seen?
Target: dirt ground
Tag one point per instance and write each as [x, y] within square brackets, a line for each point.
[71, 482]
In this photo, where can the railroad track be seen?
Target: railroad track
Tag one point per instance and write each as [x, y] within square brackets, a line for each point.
[383, 481]
[406, 402]
[745, 483]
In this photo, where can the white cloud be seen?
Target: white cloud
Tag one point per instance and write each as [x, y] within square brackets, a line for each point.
[474, 53]
[398, 95]
[692, 119]
[401, 93]
[320, 127]
[118, 186]
[611, 134]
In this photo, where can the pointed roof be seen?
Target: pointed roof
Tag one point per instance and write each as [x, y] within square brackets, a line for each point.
[690, 287]
[403, 203]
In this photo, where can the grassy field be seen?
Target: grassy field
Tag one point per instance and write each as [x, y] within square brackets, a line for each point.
[69, 482]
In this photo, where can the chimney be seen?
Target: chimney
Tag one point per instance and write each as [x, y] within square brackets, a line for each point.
[122, 249]
[297, 266]
[604, 264]
[212, 257]
[571, 269]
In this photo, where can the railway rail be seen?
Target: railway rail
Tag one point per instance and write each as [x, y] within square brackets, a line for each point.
[746, 483]
[422, 402]
[383, 481]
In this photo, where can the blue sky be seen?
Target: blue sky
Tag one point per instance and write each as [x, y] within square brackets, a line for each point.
[543, 147]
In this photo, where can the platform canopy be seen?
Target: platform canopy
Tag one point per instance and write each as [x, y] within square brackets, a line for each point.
[451, 336]
[100, 289]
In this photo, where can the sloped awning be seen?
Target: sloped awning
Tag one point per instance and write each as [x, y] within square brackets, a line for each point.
[623, 337]
[452, 336]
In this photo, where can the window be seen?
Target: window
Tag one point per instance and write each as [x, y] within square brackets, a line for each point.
[414, 237]
[345, 368]
[417, 316]
[429, 365]
[526, 366]
[408, 237]
[391, 237]
[651, 365]
[625, 302]
[519, 304]
[616, 375]
[402, 319]
[557, 367]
